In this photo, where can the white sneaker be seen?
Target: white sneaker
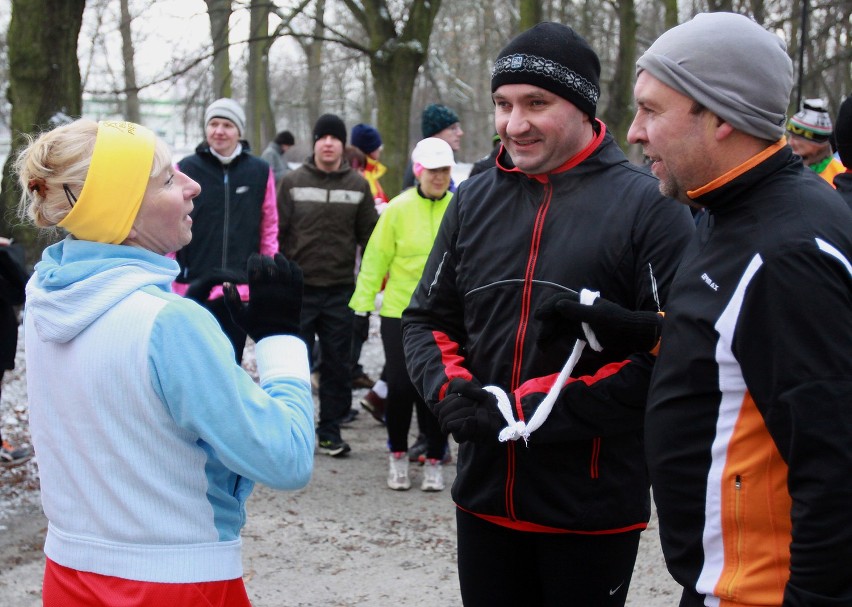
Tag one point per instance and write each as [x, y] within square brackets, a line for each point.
[433, 476]
[398, 471]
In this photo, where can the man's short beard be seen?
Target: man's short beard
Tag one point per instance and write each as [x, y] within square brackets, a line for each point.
[671, 189]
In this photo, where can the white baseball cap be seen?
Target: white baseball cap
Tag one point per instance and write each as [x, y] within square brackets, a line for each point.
[433, 153]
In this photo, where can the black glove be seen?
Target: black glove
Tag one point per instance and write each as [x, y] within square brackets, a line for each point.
[361, 327]
[275, 297]
[615, 327]
[469, 413]
[199, 289]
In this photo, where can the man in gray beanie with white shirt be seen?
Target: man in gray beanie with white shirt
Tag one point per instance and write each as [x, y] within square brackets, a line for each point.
[234, 216]
[748, 428]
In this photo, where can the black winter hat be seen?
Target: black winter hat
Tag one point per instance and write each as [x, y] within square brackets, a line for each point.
[329, 124]
[843, 132]
[285, 138]
[554, 57]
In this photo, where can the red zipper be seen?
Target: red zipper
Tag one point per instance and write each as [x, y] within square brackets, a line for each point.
[520, 335]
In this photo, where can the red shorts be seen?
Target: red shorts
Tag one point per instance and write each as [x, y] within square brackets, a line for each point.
[64, 587]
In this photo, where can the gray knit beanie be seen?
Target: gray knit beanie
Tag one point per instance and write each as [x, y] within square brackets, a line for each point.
[730, 65]
[228, 109]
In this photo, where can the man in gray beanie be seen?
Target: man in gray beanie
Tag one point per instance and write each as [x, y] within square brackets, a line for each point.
[748, 429]
[556, 522]
[234, 216]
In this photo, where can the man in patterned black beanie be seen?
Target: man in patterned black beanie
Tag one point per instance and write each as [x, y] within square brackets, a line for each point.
[553, 57]
[553, 60]
[557, 522]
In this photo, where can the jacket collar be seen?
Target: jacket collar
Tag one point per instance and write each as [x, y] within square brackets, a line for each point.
[724, 191]
[594, 156]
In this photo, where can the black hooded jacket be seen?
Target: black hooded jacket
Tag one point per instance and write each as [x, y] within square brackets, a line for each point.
[509, 241]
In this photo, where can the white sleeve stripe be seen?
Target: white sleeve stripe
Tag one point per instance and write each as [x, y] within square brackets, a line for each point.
[831, 250]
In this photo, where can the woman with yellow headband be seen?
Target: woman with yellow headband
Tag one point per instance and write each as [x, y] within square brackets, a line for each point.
[148, 436]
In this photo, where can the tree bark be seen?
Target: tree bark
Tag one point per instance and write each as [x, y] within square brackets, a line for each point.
[219, 12]
[260, 122]
[44, 82]
[671, 16]
[131, 111]
[531, 12]
[395, 59]
[617, 115]
[313, 52]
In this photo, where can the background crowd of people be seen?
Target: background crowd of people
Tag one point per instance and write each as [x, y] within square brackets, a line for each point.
[695, 370]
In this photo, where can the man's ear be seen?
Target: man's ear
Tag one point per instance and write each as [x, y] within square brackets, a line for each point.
[723, 129]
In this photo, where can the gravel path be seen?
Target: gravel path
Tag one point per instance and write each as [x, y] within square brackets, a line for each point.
[344, 541]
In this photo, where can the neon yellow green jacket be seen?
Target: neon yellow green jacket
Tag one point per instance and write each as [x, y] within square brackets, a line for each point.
[398, 247]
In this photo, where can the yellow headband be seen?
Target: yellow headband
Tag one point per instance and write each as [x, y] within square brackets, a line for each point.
[116, 182]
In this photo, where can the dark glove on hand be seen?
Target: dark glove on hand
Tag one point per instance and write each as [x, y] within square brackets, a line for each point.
[199, 289]
[275, 297]
[469, 412]
[615, 327]
[553, 324]
[361, 327]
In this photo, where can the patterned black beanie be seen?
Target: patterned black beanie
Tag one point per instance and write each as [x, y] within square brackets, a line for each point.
[329, 124]
[554, 57]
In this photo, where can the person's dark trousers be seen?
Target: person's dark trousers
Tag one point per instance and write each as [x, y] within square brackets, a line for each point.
[357, 369]
[690, 598]
[326, 315]
[231, 329]
[502, 567]
[402, 395]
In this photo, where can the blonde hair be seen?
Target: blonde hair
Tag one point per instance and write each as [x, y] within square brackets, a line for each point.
[60, 159]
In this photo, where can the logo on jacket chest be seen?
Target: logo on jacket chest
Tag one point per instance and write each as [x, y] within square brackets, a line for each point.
[709, 282]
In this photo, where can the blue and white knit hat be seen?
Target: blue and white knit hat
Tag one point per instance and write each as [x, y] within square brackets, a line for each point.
[554, 57]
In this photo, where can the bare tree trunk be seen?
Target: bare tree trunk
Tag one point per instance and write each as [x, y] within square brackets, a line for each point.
[758, 11]
[716, 6]
[313, 51]
[131, 112]
[219, 12]
[531, 11]
[395, 59]
[260, 123]
[44, 80]
[617, 114]
[671, 16]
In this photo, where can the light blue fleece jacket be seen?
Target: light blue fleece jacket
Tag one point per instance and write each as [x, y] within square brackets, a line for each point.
[148, 435]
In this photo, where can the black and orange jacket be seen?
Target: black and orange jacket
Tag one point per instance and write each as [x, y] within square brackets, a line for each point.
[749, 422]
[508, 241]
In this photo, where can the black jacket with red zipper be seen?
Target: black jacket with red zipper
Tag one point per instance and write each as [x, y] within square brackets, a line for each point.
[509, 241]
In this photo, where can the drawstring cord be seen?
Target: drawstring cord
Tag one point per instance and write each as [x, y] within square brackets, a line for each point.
[516, 429]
